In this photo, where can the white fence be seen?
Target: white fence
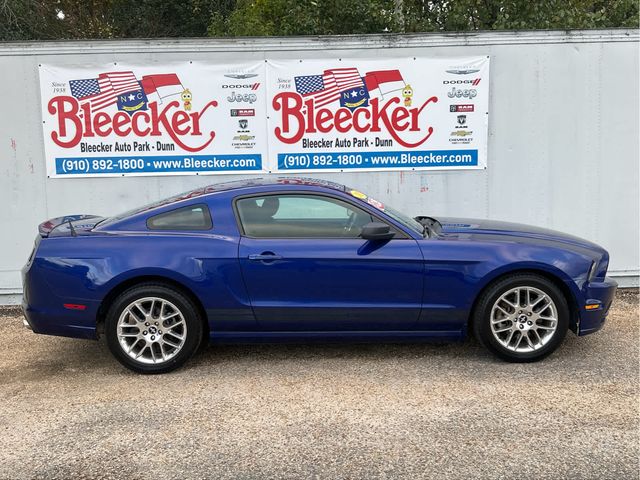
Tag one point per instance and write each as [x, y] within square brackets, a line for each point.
[563, 146]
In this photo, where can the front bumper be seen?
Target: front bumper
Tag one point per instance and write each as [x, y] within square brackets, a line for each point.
[593, 314]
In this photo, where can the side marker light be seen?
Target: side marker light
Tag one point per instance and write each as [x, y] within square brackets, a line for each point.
[74, 306]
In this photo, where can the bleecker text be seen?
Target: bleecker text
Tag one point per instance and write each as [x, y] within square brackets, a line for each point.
[299, 118]
[75, 123]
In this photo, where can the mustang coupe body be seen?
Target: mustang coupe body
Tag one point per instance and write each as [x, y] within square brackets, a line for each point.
[292, 259]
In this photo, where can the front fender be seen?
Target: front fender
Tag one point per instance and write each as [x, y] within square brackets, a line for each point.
[571, 284]
[458, 271]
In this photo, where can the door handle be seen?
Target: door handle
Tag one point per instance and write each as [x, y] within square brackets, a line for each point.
[264, 257]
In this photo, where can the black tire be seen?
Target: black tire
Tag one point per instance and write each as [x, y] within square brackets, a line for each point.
[481, 320]
[192, 333]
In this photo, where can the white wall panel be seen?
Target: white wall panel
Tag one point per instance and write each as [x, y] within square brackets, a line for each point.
[563, 136]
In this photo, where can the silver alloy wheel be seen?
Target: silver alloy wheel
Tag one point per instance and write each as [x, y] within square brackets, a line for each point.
[524, 319]
[151, 330]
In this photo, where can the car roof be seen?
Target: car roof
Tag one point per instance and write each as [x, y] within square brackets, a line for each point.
[262, 181]
[255, 182]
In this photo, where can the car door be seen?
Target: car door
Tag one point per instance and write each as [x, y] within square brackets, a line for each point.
[306, 269]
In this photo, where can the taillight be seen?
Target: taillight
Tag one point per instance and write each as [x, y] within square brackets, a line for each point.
[74, 306]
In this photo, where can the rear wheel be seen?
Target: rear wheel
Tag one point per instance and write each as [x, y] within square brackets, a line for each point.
[521, 318]
[153, 328]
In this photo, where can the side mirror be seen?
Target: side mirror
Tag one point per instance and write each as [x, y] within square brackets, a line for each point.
[376, 231]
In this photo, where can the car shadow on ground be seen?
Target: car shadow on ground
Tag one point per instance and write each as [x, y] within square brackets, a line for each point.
[63, 354]
[57, 355]
[330, 350]
[467, 349]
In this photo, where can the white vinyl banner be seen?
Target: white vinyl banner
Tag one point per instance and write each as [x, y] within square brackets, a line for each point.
[388, 114]
[274, 116]
[166, 119]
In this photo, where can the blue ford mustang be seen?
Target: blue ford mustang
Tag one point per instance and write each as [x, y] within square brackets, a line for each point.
[292, 259]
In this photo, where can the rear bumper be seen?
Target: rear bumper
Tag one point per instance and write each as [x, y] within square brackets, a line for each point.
[59, 322]
[598, 296]
[45, 313]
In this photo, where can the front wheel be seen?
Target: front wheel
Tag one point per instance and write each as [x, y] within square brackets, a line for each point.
[521, 318]
[152, 328]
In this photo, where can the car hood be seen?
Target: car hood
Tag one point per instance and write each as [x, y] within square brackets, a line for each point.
[492, 230]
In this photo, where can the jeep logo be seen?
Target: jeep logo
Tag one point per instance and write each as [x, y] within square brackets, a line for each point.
[459, 93]
[242, 97]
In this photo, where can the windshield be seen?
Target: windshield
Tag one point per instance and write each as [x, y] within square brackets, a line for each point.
[398, 216]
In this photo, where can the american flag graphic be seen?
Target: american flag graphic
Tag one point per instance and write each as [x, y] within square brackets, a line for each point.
[103, 91]
[326, 88]
[347, 78]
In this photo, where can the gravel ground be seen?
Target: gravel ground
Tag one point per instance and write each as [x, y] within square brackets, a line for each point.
[365, 411]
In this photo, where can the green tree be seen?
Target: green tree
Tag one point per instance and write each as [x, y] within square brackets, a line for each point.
[446, 15]
[50, 20]
[153, 18]
[304, 17]
[78, 19]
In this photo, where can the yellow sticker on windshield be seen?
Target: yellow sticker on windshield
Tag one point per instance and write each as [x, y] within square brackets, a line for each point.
[358, 194]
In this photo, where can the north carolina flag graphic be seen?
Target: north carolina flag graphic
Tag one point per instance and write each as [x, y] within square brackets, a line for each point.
[163, 85]
[384, 81]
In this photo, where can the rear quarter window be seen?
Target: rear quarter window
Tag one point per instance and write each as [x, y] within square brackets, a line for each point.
[192, 217]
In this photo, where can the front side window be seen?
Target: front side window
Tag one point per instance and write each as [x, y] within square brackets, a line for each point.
[193, 217]
[300, 216]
